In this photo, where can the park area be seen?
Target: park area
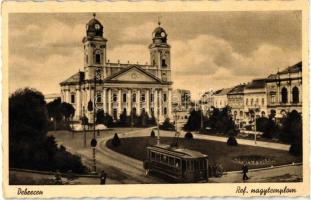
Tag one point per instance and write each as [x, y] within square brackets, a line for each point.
[230, 157]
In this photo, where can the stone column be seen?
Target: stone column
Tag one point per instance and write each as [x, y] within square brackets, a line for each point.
[128, 103]
[78, 104]
[68, 99]
[138, 102]
[155, 103]
[105, 100]
[119, 111]
[160, 104]
[169, 106]
[148, 102]
[109, 102]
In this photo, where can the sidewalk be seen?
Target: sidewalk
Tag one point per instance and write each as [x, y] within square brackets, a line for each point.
[282, 174]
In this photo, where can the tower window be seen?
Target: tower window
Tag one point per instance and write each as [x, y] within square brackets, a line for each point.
[163, 63]
[151, 97]
[153, 62]
[97, 58]
[86, 59]
[134, 98]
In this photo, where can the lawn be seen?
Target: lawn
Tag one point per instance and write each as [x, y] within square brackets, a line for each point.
[218, 152]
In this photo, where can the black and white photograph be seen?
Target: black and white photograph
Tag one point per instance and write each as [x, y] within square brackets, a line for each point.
[114, 98]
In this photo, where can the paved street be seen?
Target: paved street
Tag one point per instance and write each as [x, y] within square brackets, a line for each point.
[123, 169]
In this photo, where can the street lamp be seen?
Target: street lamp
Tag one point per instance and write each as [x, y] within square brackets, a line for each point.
[97, 77]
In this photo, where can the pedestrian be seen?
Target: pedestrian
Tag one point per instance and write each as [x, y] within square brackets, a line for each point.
[58, 178]
[245, 171]
[103, 177]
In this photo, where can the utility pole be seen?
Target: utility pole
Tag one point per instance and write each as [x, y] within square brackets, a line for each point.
[158, 121]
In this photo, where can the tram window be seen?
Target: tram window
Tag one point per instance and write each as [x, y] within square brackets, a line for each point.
[177, 163]
[152, 156]
[171, 161]
[157, 157]
[188, 165]
[192, 165]
[201, 164]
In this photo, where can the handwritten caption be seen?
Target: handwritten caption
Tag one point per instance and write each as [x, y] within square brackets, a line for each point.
[26, 191]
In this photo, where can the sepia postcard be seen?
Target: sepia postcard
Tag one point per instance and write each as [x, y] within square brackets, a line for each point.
[155, 99]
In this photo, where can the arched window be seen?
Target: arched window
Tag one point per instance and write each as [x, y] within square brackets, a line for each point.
[252, 101]
[262, 101]
[247, 102]
[295, 94]
[98, 98]
[114, 98]
[284, 95]
[165, 111]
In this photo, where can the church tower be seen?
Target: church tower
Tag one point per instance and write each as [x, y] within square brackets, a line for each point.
[160, 57]
[94, 49]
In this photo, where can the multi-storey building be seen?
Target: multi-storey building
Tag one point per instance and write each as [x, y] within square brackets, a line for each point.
[284, 90]
[236, 103]
[220, 99]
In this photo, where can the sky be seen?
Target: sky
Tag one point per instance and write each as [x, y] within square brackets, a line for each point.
[209, 50]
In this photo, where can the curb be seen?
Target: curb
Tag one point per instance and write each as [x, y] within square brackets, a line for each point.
[264, 168]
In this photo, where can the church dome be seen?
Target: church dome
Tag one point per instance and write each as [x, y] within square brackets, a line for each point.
[94, 27]
[159, 34]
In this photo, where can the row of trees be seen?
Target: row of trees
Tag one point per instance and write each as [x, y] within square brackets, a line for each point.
[142, 120]
[288, 129]
[29, 145]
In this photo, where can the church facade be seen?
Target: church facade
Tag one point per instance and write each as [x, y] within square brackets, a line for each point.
[116, 87]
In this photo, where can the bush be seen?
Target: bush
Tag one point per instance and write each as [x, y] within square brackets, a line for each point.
[188, 136]
[232, 141]
[296, 149]
[152, 134]
[116, 140]
[167, 125]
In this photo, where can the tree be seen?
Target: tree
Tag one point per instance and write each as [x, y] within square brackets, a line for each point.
[221, 120]
[188, 136]
[68, 110]
[167, 125]
[104, 118]
[29, 145]
[116, 140]
[194, 121]
[292, 132]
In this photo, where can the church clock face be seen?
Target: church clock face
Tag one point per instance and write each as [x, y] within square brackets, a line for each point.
[134, 76]
[163, 34]
[97, 27]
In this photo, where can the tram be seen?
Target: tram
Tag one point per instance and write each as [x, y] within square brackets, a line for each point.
[181, 165]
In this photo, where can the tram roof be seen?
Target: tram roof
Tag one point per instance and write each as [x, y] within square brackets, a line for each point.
[179, 152]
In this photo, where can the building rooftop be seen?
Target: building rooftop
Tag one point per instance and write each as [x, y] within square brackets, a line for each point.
[223, 91]
[256, 84]
[292, 69]
[237, 89]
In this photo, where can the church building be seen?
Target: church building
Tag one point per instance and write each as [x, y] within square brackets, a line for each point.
[117, 87]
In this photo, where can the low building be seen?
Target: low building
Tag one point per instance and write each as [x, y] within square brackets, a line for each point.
[206, 101]
[236, 103]
[181, 100]
[284, 91]
[220, 99]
